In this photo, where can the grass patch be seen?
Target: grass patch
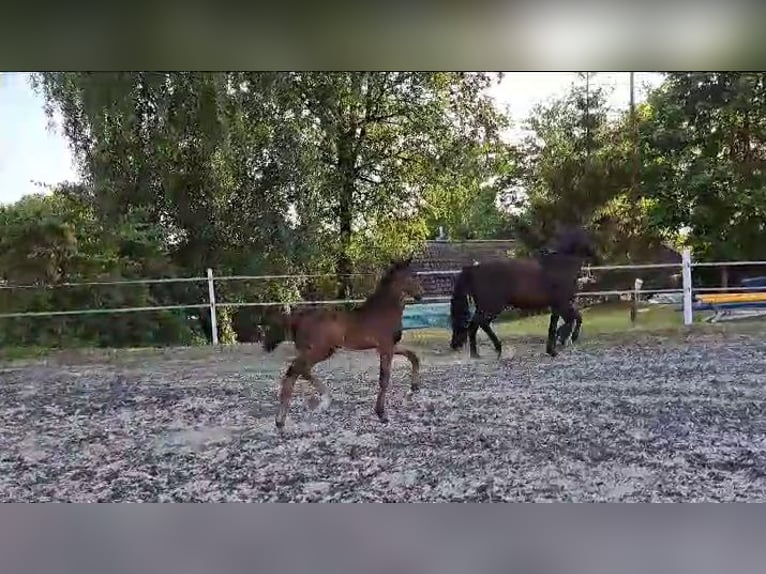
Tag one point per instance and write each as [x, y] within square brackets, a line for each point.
[607, 323]
[23, 353]
[605, 319]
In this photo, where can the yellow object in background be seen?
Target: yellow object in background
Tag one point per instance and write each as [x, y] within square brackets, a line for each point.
[714, 298]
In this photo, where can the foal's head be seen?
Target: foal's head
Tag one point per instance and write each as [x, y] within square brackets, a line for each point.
[401, 280]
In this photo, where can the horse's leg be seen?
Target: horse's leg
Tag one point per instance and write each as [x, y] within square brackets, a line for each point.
[473, 326]
[563, 332]
[386, 355]
[482, 319]
[570, 315]
[487, 328]
[577, 325]
[415, 362]
[550, 346]
[296, 368]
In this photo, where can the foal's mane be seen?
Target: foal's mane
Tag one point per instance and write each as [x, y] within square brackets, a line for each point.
[382, 289]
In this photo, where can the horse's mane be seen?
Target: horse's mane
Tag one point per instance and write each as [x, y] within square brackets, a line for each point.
[568, 239]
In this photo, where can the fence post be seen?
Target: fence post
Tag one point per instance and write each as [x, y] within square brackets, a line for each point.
[686, 274]
[211, 294]
[637, 284]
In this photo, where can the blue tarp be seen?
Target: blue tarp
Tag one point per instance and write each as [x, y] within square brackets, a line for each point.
[754, 282]
[425, 315]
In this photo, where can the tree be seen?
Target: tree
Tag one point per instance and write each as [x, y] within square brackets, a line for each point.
[48, 241]
[271, 170]
[384, 138]
[704, 143]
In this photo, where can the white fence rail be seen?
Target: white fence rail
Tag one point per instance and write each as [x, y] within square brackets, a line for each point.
[686, 267]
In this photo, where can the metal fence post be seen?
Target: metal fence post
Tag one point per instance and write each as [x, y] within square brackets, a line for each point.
[211, 293]
[686, 274]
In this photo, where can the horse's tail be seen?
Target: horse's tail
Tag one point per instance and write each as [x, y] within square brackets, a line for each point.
[460, 312]
[279, 332]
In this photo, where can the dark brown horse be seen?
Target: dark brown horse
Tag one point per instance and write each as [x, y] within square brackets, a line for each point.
[547, 281]
[375, 324]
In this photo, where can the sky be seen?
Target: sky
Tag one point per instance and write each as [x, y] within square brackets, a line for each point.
[31, 150]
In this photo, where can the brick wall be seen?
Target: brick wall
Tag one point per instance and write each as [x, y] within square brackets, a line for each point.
[450, 255]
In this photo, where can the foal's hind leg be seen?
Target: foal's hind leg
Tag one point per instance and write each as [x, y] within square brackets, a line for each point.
[415, 362]
[286, 389]
[321, 388]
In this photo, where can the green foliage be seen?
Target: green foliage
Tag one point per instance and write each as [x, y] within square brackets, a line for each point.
[226, 333]
[339, 173]
[703, 139]
[47, 241]
[277, 172]
[574, 162]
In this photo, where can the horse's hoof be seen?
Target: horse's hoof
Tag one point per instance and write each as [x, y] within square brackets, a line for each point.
[475, 356]
[280, 424]
[382, 417]
[552, 352]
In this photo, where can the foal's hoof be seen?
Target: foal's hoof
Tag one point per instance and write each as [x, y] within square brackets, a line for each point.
[383, 417]
[552, 352]
[279, 424]
[319, 403]
[475, 356]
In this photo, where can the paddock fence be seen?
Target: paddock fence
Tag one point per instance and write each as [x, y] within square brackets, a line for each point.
[685, 267]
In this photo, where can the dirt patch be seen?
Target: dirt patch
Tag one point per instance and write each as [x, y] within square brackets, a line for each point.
[656, 419]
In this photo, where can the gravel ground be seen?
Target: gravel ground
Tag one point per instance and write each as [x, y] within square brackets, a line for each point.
[663, 419]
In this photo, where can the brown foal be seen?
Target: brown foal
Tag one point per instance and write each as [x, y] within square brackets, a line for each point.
[375, 324]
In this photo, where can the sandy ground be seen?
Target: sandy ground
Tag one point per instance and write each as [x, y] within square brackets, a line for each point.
[663, 419]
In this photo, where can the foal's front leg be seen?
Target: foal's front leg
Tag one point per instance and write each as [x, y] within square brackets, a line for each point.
[386, 356]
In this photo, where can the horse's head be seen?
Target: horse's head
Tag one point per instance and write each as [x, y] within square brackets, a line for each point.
[401, 279]
[575, 241]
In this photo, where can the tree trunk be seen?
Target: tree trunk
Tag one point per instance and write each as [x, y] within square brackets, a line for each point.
[346, 161]
[343, 267]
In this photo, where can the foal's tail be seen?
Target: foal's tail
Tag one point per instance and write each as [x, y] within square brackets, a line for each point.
[277, 333]
[460, 312]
